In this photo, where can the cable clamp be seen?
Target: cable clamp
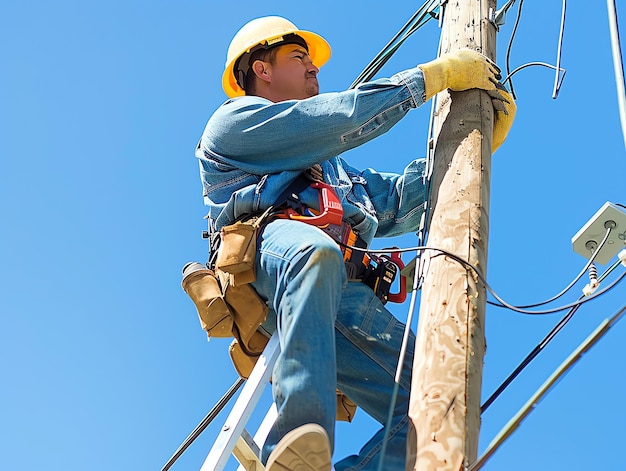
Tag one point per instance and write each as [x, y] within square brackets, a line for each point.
[498, 17]
[442, 9]
[591, 288]
[622, 257]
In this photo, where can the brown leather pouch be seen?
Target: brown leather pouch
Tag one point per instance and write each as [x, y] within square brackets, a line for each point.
[204, 289]
[238, 248]
[345, 407]
[226, 309]
[249, 312]
[244, 364]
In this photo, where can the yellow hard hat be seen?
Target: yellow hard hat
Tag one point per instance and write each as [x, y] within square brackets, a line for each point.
[267, 32]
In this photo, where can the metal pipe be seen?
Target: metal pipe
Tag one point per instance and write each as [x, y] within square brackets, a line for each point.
[617, 64]
[557, 82]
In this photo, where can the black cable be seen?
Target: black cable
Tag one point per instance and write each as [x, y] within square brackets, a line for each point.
[510, 46]
[555, 330]
[385, 54]
[573, 282]
[531, 64]
[529, 358]
[483, 280]
[414, 23]
[558, 81]
[524, 311]
[542, 344]
[204, 423]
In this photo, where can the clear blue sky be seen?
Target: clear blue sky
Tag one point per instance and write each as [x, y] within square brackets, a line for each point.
[103, 362]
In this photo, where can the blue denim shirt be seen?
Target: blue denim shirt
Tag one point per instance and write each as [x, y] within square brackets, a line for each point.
[252, 148]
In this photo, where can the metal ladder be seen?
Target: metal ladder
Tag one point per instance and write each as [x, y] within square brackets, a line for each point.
[234, 438]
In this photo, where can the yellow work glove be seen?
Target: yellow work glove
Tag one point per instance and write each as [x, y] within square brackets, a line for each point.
[504, 113]
[458, 71]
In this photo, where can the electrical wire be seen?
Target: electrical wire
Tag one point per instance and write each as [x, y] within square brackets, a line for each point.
[430, 162]
[557, 82]
[419, 19]
[530, 64]
[401, 356]
[551, 335]
[509, 47]
[574, 281]
[529, 358]
[567, 306]
[483, 280]
[618, 64]
[540, 346]
[204, 423]
[530, 405]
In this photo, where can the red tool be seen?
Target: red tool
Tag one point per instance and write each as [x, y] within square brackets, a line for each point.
[331, 211]
[400, 296]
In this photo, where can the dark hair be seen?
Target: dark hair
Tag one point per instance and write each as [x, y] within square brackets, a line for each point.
[265, 55]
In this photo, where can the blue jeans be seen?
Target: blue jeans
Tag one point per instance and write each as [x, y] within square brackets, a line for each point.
[333, 334]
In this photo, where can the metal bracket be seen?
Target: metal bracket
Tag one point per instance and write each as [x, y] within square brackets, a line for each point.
[498, 17]
[587, 239]
[442, 4]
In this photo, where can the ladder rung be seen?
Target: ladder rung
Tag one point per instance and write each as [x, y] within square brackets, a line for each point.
[247, 453]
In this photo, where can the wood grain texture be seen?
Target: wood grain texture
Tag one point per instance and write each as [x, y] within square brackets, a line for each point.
[450, 346]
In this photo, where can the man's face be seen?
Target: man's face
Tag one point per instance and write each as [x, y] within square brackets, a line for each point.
[293, 74]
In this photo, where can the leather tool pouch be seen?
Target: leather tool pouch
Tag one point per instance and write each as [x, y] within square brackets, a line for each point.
[238, 248]
[226, 310]
[237, 252]
[227, 305]
[204, 289]
[248, 311]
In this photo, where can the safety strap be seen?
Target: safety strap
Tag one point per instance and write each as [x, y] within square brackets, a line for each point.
[378, 276]
[291, 194]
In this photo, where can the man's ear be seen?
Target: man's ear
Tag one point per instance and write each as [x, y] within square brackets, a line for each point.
[262, 70]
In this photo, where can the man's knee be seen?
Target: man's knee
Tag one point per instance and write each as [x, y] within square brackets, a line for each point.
[292, 254]
[325, 253]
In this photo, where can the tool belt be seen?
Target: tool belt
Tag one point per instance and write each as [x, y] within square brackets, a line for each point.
[229, 307]
[237, 254]
[226, 303]
[377, 272]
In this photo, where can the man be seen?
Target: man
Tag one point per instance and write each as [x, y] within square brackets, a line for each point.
[334, 332]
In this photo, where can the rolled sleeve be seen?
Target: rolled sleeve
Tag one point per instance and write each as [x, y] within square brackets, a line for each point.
[414, 81]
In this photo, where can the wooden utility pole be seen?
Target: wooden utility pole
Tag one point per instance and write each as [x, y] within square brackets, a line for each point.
[450, 346]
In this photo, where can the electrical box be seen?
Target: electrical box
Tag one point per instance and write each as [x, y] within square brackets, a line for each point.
[588, 239]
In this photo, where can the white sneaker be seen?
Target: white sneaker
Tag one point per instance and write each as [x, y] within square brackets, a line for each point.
[305, 448]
